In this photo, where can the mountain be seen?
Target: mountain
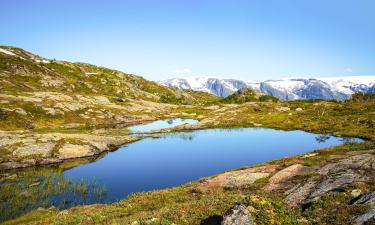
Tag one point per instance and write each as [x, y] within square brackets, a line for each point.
[339, 88]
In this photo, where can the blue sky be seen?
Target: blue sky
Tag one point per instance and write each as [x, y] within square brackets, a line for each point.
[254, 39]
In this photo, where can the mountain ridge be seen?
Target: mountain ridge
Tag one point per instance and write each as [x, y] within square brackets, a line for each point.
[339, 88]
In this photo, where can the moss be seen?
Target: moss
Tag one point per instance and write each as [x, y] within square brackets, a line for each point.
[333, 209]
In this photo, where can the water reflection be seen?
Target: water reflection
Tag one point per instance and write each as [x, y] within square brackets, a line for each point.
[161, 124]
[322, 138]
[26, 190]
[152, 163]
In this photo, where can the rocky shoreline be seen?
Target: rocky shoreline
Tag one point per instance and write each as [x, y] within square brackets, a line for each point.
[29, 149]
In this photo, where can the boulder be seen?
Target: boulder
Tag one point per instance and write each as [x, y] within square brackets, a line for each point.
[280, 179]
[368, 199]
[297, 195]
[239, 215]
[336, 181]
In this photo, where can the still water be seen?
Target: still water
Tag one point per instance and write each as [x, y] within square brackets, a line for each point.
[174, 159]
[153, 163]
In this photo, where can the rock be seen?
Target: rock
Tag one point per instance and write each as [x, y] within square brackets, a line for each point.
[68, 151]
[43, 149]
[297, 195]
[72, 125]
[52, 111]
[119, 99]
[25, 194]
[280, 179]
[368, 199]
[20, 112]
[299, 109]
[213, 107]
[362, 161]
[12, 165]
[101, 100]
[355, 193]
[69, 106]
[282, 109]
[305, 156]
[51, 83]
[239, 215]
[239, 178]
[242, 179]
[336, 181]
[337, 156]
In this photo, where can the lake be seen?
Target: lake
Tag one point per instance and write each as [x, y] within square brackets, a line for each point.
[154, 163]
[174, 159]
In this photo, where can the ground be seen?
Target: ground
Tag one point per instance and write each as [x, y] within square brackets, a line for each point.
[64, 114]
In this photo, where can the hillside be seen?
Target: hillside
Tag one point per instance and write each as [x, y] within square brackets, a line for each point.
[327, 186]
[56, 110]
[247, 95]
[50, 91]
[339, 88]
[56, 115]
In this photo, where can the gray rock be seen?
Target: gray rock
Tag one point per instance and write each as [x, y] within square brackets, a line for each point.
[239, 215]
[365, 217]
[299, 193]
[368, 199]
[337, 181]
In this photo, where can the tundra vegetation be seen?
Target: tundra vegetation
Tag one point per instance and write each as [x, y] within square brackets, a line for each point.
[53, 112]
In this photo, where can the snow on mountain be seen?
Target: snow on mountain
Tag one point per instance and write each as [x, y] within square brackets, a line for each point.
[350, 85]
[339, 88]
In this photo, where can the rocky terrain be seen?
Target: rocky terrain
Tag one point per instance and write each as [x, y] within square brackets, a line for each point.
[339, 88]
[328, 186]
[53, 112]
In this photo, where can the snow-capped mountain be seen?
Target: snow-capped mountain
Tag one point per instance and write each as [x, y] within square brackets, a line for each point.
[339, 88]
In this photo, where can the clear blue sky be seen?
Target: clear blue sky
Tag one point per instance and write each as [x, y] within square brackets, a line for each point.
[254, 39]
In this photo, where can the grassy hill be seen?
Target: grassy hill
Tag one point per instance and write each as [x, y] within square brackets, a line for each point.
[247, 95]
[25, 72]
[39, 93]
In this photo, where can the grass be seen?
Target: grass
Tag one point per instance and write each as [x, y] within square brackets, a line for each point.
[34, 188]
[179, 205]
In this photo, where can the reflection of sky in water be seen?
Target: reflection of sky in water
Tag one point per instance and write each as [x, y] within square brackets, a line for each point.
[161, 124]
[178, 158]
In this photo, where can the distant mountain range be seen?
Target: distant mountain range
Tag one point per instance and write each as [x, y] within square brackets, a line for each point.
[339, 88]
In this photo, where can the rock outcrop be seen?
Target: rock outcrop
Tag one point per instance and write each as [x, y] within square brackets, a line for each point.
[239, 215]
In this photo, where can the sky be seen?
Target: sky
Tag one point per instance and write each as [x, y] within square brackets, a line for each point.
[249, 40]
